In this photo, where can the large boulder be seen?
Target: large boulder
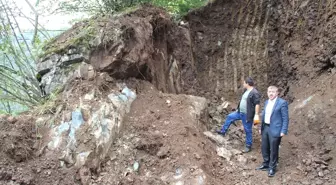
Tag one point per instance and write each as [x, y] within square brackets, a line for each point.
[142, 44]
[86, 138]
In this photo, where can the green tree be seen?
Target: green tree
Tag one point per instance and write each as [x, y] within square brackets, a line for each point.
[18, 86]
[177, 7]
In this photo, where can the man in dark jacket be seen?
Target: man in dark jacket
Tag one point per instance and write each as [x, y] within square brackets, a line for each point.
[274, 126]
[248, 109]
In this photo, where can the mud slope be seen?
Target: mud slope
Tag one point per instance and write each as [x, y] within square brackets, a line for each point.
[230, 42]
[294, 48]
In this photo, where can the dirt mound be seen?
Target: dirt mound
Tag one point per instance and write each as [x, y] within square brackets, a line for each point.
[165, 138]
[19, 155]
[18, 136]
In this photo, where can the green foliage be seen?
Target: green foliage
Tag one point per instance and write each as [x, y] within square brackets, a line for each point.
[82, 36]
[48, 104]
[177, 8]
[19, 89]
[93, 6]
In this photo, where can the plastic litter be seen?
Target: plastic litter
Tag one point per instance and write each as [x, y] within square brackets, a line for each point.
[136, 166]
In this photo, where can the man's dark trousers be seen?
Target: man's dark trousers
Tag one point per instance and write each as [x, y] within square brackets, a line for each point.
[270, 147]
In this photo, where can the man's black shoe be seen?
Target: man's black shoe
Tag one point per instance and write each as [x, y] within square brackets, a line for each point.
[271, 173]
[220, 132]
[262, 168]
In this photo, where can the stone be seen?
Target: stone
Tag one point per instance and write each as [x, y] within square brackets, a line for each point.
[218, 119]
[42, 120]
[324, 167]
[89, 96]
[220, 108]
[320, 174]
[304, 4]
[333, 60]
[45, 66]
[11, 119]
[216, 138]
[253, 158]
[326, 158]
[197, 156]
[305, 182]
[326, 172]
[319, 182]
[299, 167]
[86, 71]
[163, 152]
[67, 117]
[73, 51]
[225, 153]
[98, 130]
[91, 73]
[242, 160]
[319, 161]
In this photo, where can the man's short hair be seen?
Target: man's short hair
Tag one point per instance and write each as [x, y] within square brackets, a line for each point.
[249, 81]
[273, 87]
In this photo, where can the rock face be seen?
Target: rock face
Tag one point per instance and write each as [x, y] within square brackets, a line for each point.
[142, 44]
[57, 69]
[86, 142]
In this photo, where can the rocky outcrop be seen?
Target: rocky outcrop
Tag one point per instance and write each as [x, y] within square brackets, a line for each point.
[57, 69]
[144, 45]
[86, 141]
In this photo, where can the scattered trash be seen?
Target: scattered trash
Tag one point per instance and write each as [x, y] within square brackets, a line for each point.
[178, 173]
[306, 101]
[136, 166]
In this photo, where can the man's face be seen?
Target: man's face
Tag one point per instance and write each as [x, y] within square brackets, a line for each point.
[245, 85]
[272, 93]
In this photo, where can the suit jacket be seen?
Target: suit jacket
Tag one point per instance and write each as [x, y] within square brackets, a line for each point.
[279, 118]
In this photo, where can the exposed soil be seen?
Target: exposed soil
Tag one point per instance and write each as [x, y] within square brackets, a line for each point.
[163, 139]
[20, 162]
[290, 44]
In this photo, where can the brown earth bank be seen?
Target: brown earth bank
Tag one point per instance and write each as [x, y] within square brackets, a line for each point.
[290, 44]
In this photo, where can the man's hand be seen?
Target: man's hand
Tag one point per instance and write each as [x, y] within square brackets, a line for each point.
[256, 119]
[282, 134]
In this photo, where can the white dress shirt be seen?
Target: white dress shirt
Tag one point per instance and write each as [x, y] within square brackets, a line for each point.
[269, 109]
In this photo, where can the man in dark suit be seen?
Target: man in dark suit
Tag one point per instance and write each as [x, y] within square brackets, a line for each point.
[274, 126]
[247, 111]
